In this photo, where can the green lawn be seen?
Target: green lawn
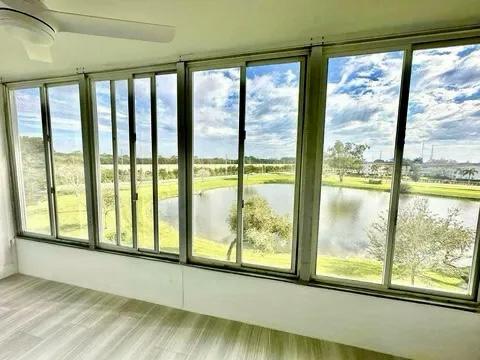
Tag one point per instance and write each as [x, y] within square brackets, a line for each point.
[72, 220]
[420, 188]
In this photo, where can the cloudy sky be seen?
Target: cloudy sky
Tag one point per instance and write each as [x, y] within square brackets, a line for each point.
[444, 106]
[362, 103]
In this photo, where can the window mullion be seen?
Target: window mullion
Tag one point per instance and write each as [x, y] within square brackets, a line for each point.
[116, 188]
[184, 136]
[474, 283]
[89, 157]
[310, 185]
[241, 160]
[397, 171]
[47, 142]
[153, 105]
[133, 168]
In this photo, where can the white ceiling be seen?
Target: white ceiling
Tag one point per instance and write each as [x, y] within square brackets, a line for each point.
[206, 26]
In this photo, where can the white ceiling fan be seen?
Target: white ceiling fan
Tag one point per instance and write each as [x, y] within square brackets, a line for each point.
[35, 26]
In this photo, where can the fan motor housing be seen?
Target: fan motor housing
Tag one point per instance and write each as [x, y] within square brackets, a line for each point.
[26, 27]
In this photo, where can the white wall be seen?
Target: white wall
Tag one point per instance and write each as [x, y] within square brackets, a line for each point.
[396, 327]
[8, 264]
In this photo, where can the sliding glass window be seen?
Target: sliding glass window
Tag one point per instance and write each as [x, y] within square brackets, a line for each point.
[270, 159]
[142, 143]
[245, 143]
[67, 156]
[167, 162]
[440, 185]
[144, 163]
[216, 101]
[360, 124]
[50, 161]
[32, 169]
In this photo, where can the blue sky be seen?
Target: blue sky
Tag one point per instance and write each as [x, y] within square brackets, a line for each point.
[271, 111]
[362, 104]
[444, 104]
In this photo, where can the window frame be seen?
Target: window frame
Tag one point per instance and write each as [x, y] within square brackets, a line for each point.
[130, 75]
[242, 64]
[15, 161]
[386, 286]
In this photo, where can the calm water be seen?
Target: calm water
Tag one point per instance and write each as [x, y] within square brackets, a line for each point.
[345, 214]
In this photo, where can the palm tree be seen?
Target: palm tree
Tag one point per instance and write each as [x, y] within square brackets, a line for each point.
[470, 173]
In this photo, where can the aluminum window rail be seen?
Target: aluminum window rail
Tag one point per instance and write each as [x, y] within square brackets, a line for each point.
[312, 104]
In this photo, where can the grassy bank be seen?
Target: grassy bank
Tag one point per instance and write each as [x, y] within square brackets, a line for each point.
[73, 220]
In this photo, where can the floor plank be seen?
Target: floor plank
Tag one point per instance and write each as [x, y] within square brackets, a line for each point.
[42, 319]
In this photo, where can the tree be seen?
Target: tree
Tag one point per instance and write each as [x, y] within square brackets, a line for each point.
[71, 174]
[423, 240]
[470, 173]
[263, 229]
[375, 169]
[203, 173]
[345, 157]
[415, 172]
[33, 167]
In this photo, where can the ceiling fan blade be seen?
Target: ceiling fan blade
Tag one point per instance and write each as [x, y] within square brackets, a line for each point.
[98, 26]
[38, 52]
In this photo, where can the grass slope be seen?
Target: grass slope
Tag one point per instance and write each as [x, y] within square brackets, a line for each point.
[73, 222]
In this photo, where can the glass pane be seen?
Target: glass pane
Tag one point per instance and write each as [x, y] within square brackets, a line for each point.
[64, 105]
[27, 109]
[123, 144]
[360, 125]
[167, 162]
[215, 150]
[108, 229]
[270, 157]
[143, 124]
[440, 187]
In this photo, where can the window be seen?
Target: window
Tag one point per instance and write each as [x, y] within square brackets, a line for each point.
[50, 173]
[272, 97]
[26, 108]
[387, 157]
[113, 136]
[216, 95]
[257, 204]
[124, 166]
[67, 156]
[167, 160]
[144, 163]
[156, 182]
[440, 192]
[360, 125]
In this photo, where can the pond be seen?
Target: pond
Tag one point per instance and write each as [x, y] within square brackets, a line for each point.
[346, 214]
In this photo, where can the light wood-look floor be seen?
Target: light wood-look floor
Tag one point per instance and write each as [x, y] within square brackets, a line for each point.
[42, 319]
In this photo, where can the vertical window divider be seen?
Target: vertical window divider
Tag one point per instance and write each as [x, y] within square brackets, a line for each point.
[47, 142]
[96, 161]
[474, 284]
[184, 136]
[88, 146]
[133, 168]
[153, 105]
[299, 165]
[315, 98]
[116, 186]
[8, 106]
[241, 161]
[397, 171]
